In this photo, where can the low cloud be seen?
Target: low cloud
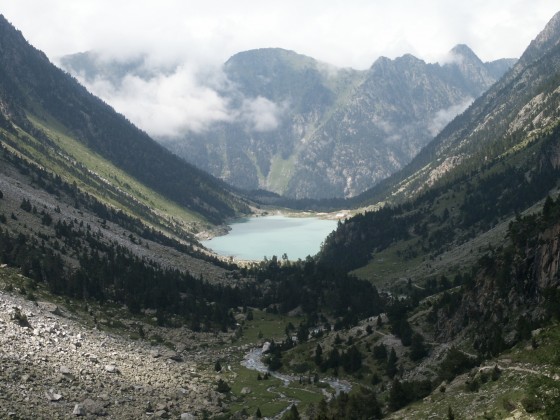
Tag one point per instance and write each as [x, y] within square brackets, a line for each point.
[169, 100]
[261, 114]
[444, 116]
[167, 104]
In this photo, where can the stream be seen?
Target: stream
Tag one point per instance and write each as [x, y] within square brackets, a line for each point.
[252, 360]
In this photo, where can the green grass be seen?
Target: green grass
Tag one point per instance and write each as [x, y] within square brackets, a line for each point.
[387, 266]
[270, 395]
[266, 326]
[547, 352]
[280, 174]
[111, 174]
[260, 397]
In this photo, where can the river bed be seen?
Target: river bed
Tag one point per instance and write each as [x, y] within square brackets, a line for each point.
[253, 361]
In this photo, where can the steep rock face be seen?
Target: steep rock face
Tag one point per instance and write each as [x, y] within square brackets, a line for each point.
[510, 289]
[340, 131]
[522, 103]
[307, 129]
[399, 106]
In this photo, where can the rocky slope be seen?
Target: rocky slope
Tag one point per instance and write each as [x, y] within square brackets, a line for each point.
[305, 129]
[523, 104]
[56, 364]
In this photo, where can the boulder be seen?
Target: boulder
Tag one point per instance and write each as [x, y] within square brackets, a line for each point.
[79, 410]
[111, 369]
[53, 396]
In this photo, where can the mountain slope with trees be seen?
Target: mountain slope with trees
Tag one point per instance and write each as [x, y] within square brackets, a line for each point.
[41, 100]
[305, 129]
[516, 109]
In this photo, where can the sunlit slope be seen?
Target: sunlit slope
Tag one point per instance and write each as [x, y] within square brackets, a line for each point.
[56, 119]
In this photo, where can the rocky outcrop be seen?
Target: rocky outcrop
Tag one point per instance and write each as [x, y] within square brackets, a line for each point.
[55, 367]
[509, 294]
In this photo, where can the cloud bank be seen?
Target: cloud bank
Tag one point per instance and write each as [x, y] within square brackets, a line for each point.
[187, 37]
[170, 101]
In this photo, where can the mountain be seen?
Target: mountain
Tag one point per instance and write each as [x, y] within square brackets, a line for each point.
[468, 252]
[68, 124]
[442, 303]
[496, 159]
[517, 109]
[306, 129]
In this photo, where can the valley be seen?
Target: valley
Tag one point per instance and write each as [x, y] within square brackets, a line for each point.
[329, 132]
[435, 296]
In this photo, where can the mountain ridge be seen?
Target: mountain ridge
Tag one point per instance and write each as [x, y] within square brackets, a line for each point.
[328, 131]
[39, 85]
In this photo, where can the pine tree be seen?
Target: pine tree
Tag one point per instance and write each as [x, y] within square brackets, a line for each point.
[392, 364]
[318, 355]
[450, 414]
[397, 396]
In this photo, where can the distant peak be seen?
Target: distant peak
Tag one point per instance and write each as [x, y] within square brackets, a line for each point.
[462, 49]
[545, 40]
[406, 59]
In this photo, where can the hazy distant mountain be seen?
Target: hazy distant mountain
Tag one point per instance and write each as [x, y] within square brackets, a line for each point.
[307, 129]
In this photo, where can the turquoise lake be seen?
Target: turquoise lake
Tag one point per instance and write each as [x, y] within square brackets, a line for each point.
[254, 238]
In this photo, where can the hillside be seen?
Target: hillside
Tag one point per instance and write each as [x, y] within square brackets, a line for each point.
[523, 104]
[441, 303]
[470, 249]
[305, 129]
[55, 116]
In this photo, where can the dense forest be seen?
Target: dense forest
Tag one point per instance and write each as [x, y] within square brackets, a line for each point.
[76, 260]
[477, 201]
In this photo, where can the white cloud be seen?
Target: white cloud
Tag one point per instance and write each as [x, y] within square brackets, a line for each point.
[164, 105]
[261, 114]
[167, 102]
[188, 37]
[444, 116]
[346, 34]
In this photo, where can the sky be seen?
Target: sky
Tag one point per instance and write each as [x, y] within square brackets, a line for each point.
[198, 35]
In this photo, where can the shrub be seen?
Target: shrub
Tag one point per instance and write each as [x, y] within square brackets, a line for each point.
[223, 387]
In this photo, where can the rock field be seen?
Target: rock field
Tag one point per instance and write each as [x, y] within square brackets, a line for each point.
[53, 366]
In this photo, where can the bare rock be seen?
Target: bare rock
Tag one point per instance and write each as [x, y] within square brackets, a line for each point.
[111, 369]
[96, 408]
[50, 307]
[79, 410]
[53, 396]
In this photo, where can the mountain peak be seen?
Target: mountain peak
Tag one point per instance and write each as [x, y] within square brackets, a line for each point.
[548, 38]
[269, 57]
[463, 52]
[462, 49]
